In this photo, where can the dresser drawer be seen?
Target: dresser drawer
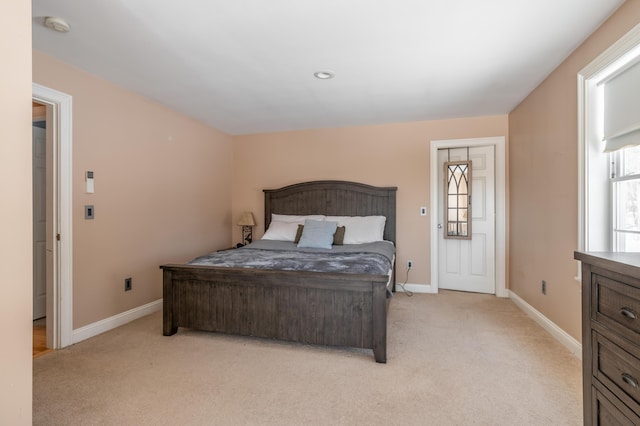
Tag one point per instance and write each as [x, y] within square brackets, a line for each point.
[616, 305]
[616, 363]
[608, 410]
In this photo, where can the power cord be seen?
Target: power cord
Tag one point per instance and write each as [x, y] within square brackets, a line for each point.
[409, 293]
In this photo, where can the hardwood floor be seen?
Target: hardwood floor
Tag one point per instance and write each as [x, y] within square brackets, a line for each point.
[39, 340]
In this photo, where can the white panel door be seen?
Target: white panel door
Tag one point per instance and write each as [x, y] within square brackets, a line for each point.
[39, 223]
[469, 265]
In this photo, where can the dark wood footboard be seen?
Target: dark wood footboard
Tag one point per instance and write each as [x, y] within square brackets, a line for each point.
[333, 309]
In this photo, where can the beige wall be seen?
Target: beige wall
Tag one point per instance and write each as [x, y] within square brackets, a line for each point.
[15, 213]
[544, 182]
[162, 190]
[383, 155]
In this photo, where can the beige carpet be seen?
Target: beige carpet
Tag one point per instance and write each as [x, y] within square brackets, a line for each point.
[453, 359]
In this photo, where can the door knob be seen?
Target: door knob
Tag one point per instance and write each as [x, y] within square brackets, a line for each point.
[439, 226]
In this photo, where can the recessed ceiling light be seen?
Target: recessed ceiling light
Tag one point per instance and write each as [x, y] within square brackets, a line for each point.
[56, 24]
[324, 75]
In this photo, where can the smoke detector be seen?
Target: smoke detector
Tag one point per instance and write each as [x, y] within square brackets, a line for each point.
[56, 24]
[324, 75]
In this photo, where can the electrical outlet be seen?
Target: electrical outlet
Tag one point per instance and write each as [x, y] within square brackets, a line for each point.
[409, 264]
[128, 284]
[544, 287]
[89, 212]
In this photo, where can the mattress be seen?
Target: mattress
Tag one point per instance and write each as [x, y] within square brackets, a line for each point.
[371, 258]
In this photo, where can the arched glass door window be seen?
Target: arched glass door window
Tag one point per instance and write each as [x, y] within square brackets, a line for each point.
[457, 201]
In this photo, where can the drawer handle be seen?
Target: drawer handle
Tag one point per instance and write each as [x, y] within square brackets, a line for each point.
[628, 312]
[630, 380]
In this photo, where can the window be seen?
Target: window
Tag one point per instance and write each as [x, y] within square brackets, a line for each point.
[625, 190]
[609, 149]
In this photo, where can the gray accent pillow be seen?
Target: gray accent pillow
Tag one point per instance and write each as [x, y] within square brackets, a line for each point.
[338, 237]
[317, 234]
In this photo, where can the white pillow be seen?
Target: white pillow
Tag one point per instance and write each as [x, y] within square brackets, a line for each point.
[294, 218]
[281, 231]
[361, 229]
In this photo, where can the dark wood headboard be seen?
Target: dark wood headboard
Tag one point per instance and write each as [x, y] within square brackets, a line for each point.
[333, 198]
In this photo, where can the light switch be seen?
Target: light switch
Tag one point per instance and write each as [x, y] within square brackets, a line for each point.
[89, 179]
[423, 211]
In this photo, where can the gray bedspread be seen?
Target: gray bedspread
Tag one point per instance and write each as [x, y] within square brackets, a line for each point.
[372, 258]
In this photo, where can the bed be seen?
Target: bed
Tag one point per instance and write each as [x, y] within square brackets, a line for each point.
[319, 308]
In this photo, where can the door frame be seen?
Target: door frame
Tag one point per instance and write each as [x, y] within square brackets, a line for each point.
[62, 294]
[499, 143]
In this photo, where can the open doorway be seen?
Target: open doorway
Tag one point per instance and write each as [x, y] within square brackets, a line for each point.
[42, 225]
[58, 238]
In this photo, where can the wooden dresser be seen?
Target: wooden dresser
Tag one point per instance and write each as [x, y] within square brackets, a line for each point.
[611, 338]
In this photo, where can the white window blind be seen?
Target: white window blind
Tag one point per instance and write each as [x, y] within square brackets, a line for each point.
[622, 109]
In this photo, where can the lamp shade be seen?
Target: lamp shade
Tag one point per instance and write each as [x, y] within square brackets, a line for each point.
[247, 219]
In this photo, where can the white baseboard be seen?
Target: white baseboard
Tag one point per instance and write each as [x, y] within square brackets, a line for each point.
[502, 293]
[428, 288]
[559, 334]
[416, 288]
[110, 323]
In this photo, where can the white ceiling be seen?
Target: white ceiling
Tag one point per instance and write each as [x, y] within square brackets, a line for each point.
[246, 66]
